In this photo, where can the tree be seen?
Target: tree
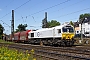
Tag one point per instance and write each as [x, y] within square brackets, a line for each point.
[52, 23]
[1, 30]
[71, 23]
[82, 16]
[21, 27]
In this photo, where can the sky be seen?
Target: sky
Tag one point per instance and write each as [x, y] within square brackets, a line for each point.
[32, 12]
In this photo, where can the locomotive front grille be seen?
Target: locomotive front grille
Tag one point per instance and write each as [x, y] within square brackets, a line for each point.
[67, 36]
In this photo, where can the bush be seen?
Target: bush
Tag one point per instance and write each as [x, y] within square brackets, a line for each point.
[7, 54]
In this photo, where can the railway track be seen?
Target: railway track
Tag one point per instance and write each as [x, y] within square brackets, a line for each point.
[54, 53]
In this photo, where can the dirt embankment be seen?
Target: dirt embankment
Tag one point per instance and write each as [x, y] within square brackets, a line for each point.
[84, 41]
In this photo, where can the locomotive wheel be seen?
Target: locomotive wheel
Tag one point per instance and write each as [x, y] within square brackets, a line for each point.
[63, 43]
[69, 43]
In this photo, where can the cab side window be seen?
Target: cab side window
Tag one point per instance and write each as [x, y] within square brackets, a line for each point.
[59, 30]
[32, 34]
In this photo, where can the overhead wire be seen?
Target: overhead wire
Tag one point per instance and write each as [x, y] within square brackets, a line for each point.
[16, 8]
[5, 23]
[72, 19]
[22, 4]
[67, 6]
[48, 8]
[63, 8]
[5, 15]
[33, 16]
[36, 12]
[9, 3]
[6, 7]
[74, 12]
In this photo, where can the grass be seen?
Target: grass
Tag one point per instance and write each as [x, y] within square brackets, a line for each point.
[3, 41]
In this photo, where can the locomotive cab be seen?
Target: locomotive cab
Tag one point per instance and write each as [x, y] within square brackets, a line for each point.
[68, 35]
[68, 32]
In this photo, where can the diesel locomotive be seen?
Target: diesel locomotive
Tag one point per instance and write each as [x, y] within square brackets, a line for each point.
[62, 35]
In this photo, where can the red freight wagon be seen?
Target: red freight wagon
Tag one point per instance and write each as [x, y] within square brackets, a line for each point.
[24, 35]
[17, 36]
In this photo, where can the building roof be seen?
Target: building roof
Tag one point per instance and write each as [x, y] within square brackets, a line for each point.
[76, 24]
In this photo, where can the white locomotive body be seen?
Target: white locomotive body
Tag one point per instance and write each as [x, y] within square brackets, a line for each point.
[59, 35]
